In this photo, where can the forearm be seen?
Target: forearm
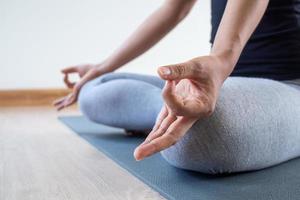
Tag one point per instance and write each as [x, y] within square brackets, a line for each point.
[237, 25]
[153, 29]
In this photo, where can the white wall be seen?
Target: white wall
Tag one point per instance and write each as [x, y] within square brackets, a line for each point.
[39, 37]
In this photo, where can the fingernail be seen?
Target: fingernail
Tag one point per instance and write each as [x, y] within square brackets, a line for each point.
[136, 155]
[165, 71]
[138, 159]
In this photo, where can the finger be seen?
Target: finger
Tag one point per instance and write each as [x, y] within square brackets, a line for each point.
[73, 97]
[179, 71]
[152, 147]
[60, 106]
[70, 97]
[64, 100]
[71, 69]
[172, 100]
[162, 115]
[67, 102]
[68, 83]
[66, 71]
[162, 128]
[58, 101]
[174, 133]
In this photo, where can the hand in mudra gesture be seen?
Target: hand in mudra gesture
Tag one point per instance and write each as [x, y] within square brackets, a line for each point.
[190, 94]
[86, 73]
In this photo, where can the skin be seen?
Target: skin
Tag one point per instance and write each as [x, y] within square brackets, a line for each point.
[152, 30]
[192, 87]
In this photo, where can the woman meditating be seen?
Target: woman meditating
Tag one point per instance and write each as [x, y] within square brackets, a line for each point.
[236, 109]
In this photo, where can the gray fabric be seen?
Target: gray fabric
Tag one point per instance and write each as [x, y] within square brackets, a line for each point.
[281, 182]
[122, 100]
[255, 124]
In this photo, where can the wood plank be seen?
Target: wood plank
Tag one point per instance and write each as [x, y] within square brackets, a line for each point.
[42, 159]
[31, 97]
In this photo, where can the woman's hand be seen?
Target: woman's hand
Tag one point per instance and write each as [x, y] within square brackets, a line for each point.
[86, 72]
[190, 94]
[80, 70]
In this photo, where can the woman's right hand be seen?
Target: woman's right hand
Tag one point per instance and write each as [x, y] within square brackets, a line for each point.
[86, 73]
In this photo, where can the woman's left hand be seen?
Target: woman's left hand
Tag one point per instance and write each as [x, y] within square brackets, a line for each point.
[190, 94]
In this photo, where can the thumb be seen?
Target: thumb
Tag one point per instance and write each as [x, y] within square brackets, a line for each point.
[178, 71]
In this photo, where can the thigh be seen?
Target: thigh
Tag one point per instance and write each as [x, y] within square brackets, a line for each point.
[153, 80]
[126, 103]
[255, 125]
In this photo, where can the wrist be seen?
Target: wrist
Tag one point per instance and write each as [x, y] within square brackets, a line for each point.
[228, 57]
[227, 52]
[210, 68]
[102, 68]
[226, 60]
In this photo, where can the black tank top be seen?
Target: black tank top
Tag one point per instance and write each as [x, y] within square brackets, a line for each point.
[273, 51]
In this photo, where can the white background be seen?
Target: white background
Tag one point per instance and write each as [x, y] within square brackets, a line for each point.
[39, 37]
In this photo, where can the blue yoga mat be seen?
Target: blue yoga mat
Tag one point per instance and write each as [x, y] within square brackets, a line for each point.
[281, 182]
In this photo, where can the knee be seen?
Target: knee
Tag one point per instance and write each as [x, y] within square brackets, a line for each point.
[181, 157]
[211, 146]
[91, 99]
[192, 154]
[99, 100]
[86, 102]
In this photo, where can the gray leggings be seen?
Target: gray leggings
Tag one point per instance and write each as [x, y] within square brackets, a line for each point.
[256, 123]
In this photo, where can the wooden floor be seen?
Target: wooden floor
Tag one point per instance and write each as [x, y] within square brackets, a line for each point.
[42, 159]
